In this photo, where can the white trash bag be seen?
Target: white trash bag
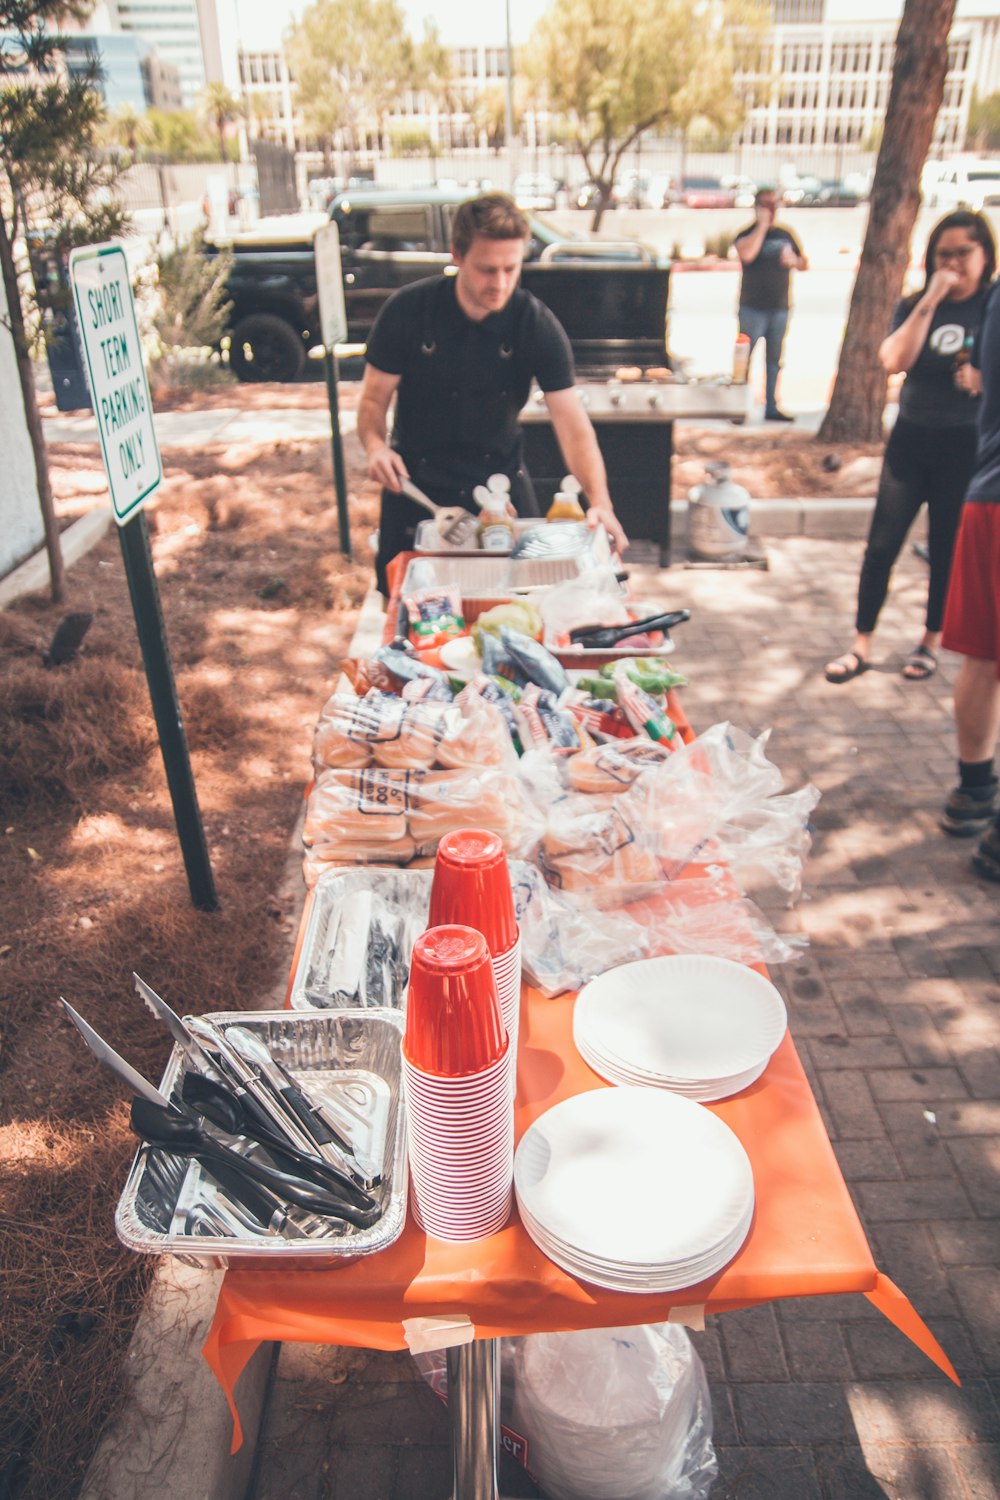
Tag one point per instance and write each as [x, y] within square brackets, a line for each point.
[615, 1414]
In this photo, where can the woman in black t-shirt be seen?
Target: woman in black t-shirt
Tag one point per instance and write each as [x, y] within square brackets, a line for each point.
[931, 451]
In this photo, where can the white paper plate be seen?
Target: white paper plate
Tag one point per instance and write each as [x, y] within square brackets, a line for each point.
[635, 1179]
[688, 1020]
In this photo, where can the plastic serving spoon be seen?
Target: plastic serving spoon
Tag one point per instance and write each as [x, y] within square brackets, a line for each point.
[455, 524]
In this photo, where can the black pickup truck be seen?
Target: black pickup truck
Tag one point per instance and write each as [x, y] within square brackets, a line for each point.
[611, 298]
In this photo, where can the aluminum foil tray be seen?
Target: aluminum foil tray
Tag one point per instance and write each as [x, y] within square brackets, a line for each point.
[358, 937]
[496, 576]
[359, 934]
[430, 541]
[351, 1058]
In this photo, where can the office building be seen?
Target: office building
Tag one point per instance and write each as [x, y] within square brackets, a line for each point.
[131, 72]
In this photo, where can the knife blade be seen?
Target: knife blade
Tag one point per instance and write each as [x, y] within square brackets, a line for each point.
[116, 1064]
[180, 1033]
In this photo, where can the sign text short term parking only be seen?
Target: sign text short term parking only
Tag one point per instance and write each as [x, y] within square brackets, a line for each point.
[120, 391]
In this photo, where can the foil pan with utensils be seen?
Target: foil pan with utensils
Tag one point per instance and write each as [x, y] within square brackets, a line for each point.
[273, 1138]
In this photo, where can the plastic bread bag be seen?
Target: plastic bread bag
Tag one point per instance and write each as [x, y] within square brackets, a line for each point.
[715, 801]
[709, 914]
[390, 731]
[564, 943]
[719, 800]
[615, 1414]
[542, 724]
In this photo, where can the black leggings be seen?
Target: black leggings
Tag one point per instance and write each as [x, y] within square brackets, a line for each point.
[932, 465]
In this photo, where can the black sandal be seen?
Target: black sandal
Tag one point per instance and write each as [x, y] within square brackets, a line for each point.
[846, 667]
[919, 665]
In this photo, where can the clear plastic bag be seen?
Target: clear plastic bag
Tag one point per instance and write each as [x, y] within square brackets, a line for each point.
[615, 1414]
[605, 1413]
[593, 598]
[563, 943]
[717, 801]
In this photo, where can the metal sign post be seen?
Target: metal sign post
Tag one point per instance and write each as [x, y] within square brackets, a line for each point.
[102, 293]
[333, 330]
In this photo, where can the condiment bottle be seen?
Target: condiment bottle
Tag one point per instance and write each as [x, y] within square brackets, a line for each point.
[495, 531]
[566, 502]
[741, 359]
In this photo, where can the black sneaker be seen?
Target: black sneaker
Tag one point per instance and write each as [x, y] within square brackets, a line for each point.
[965, 814]
[986, 860]
[777, 416]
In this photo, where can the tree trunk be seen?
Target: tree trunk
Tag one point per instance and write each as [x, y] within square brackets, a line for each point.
[855, 412]
[57, 570]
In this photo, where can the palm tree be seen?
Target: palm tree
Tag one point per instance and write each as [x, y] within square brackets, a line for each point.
[218, 106]
[131, 129]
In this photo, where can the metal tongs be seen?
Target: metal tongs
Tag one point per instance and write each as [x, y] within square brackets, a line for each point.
[272, 1107]
[295, 1181]
[455, 525]
[603, 637]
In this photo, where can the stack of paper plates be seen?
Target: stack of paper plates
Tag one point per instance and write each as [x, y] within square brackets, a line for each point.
[699, 1026]
[634, 1189]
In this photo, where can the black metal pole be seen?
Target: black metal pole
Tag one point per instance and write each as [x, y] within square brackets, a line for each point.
[166, 710]
[339, 471]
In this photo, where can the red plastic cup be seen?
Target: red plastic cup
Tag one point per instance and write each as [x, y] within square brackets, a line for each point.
[454, 1025]
[472, 885]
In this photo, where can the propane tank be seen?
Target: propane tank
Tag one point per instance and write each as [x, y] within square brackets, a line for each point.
[718, 517]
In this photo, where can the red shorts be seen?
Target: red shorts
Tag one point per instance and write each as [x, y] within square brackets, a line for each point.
[972, 611]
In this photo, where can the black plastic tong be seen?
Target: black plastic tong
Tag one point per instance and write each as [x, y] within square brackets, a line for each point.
[603, 637]
[170, 1131]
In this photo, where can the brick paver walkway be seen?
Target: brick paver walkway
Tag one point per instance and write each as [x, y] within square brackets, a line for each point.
[894, 1008]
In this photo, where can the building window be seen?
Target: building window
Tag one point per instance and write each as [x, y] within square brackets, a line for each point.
[798, 12]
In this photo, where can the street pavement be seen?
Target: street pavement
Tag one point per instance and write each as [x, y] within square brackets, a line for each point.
[893, 1007]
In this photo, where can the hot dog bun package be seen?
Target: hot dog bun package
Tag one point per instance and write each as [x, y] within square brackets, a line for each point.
[389, 815]
[382, 729]
[393, 777]
[718, 800]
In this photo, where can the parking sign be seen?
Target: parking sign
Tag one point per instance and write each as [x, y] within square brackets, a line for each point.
[105, 312]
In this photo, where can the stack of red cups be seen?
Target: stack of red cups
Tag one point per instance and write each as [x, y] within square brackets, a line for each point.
[472, 886]
[456, 1083]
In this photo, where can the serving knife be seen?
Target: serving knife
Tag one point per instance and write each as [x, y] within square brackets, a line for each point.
[265, 1119]
[178, 1131]
[266, 1208]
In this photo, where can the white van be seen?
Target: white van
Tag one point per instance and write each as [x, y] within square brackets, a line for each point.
[966, 184]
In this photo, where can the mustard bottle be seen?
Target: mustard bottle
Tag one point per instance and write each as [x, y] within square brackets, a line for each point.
[566, 502]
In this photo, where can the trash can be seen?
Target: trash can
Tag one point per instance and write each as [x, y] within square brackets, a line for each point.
[50, 273]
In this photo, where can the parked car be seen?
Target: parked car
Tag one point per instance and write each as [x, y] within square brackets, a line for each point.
[743, 189]
[971, 184]
[586, 194]
[611, 297]
[533, 190]
[812, 192]
[706, 192]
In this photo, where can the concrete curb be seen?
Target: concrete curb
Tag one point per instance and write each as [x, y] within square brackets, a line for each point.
[77, 539]
[832, 519]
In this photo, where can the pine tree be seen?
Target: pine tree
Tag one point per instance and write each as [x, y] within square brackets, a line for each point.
[54, 184]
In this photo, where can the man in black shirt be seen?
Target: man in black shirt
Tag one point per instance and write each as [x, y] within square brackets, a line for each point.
[459, 353]
[769, 255]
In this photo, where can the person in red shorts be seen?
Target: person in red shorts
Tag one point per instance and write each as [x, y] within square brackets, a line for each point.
[972, 621]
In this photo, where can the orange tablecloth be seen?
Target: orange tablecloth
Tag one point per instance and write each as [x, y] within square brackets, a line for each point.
[806, 1239]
